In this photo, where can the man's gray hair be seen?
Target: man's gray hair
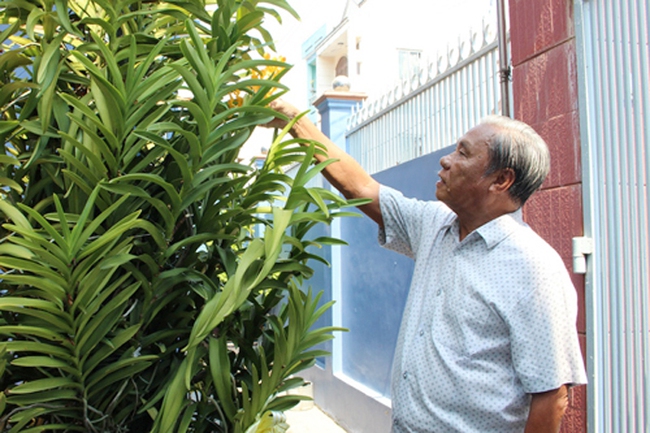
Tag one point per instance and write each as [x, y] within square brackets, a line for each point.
[517, 146]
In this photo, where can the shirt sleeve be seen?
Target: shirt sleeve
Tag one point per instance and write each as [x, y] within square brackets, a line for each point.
[545, 348]
[404, 219]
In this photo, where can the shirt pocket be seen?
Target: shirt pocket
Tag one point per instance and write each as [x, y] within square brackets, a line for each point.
[480, 331]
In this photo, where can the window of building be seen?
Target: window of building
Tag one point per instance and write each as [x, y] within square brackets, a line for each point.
[342, 66]
[311, 80]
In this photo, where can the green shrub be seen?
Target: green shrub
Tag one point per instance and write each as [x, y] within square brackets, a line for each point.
[150, 281]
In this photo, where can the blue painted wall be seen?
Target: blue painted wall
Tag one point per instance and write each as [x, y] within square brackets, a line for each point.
[370, 285]
[375, 281]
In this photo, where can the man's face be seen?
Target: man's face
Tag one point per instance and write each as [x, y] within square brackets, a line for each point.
[463, 185]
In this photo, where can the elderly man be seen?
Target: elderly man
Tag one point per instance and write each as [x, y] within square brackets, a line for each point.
[488, 341]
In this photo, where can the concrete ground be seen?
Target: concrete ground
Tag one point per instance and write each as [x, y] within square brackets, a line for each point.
[308, 418]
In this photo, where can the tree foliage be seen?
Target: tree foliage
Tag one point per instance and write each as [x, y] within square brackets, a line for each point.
[149, 279]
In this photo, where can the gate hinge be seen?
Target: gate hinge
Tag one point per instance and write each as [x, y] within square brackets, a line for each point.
[582, 246]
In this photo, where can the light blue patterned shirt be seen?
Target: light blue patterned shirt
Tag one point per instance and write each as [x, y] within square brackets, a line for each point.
[488, 321]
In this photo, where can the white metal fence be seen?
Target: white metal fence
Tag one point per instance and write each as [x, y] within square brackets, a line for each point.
[432, 110]
[614, 58]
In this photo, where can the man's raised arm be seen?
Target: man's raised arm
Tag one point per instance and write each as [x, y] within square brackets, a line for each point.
[346, 175]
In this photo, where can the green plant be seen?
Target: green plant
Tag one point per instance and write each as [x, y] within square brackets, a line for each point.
[149, 280]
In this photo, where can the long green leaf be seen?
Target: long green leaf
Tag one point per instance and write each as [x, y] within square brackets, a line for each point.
[94, 289]
[173, 196]
[82, 106]
[30, 346]
[91, 360]
[199, 113]
[172, 403]
[180, 159]
[48, 289]
[135, 191]
[82, 232]
[34, 268]
[43, 362]
[198, 58]
[101, 323]
[118, 371]
[93, 157]
[44, 385]
[14, 215]
[31, 331]
[111, 64]
[221, 376]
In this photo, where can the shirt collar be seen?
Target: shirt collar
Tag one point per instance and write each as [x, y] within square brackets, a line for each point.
[500, 228]
[492, 232]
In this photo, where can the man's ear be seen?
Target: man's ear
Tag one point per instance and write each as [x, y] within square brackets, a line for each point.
[503, 180]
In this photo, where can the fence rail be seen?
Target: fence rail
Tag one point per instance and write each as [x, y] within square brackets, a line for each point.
[430, 111]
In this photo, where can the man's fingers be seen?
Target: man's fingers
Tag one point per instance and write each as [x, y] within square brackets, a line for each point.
[276, 123]
[284, 108]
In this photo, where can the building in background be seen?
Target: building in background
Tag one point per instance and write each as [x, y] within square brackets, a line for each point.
[378, 43]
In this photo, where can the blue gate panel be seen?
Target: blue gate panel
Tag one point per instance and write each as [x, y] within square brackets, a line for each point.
[375, 281]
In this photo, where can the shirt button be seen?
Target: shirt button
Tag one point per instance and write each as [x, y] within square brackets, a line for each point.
[405, 375]
[421, 333]
[438, 292]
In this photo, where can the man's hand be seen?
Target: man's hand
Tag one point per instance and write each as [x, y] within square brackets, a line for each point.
[285, 109]
[346, 175]
[547, 410]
